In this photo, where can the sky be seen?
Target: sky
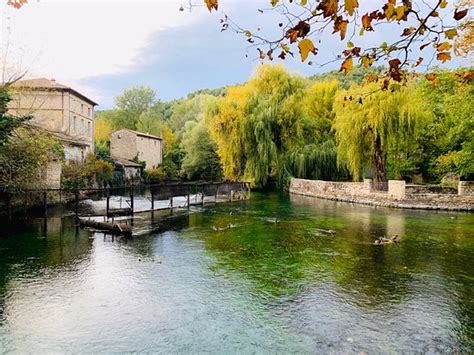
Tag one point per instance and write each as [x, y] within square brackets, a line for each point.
[102, 47]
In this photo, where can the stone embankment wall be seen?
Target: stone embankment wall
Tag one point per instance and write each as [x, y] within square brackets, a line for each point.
[398, 195]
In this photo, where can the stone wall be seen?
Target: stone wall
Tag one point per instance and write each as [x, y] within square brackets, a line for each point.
[53, 174]
[123, 144]
[396, 196]
[321, 188]
[396, 189]
[126, 144]
[149, 150]
[57, 111]
[466, 188]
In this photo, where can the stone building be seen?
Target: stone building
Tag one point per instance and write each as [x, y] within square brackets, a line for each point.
[59, 110]
[127, 144]
[130, 170]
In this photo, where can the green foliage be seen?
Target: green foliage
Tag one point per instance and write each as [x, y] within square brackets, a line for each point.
[102, 152]
[267, 128]
[356, 76]
[8, 123]
[186, 110]
[447, 142]
[129, 106]
[90, 173]
[201, 161]
[333, 126]
[313, 161]
[212, 92]
[172, 162]
[24, 158]
[154, 176]
[369, 122]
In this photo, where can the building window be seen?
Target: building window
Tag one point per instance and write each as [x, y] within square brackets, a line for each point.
[82, 108]
[88, 128]
[74, 119]
[82, 125]
[89, 112]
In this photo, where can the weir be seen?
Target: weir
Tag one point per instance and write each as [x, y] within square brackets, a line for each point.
[159, 197]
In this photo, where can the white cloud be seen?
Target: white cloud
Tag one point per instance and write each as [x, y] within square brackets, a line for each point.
[71, 40]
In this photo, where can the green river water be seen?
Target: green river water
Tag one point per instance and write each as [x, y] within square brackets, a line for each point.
[275, 274]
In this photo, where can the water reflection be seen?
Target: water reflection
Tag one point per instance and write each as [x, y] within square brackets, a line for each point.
[268, 275]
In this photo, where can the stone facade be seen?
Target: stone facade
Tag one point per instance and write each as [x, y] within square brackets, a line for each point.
[396, 189]
[59, 110]
[396, 196]
[466, 188]
[52, 174]
[128, 144]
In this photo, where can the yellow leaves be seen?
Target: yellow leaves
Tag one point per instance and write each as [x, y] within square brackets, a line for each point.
[304, 2]
[367, 22]
[443, 47]
[443, 4]
[347, 65]
[450, 34]
[370, 78]
[443, 56]
[350, 6]
[274, 2]
[103, 128]
[395, 13]
[389, 11]
[366, 61]
[432, 77]
[306, 46]
[211, 4]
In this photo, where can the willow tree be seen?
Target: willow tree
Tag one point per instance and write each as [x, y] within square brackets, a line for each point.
[272, 123]
[316, 158]
[226, 119]
[369, 121]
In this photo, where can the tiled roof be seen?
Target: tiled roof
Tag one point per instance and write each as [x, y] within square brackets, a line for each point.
[49, 84]
[147, 135]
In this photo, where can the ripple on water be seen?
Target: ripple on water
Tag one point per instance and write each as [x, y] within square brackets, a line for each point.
[276, 282]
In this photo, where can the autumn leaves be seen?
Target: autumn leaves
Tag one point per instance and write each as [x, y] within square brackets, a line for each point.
[421, 26]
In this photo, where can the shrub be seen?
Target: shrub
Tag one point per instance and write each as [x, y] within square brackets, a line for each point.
[154, 176]
[91, 172]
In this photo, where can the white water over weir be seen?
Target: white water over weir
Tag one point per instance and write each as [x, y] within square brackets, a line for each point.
[133, 199]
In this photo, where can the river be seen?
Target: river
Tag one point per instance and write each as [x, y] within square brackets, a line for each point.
[275, 274]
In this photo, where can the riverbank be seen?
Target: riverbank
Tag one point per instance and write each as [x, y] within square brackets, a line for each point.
[397, 196]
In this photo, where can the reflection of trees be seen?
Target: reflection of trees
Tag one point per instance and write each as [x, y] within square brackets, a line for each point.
[26, 248]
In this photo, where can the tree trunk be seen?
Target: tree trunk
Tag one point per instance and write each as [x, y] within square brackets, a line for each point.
[379, 170]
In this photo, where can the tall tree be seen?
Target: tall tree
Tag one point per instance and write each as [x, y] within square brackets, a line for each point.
[448, 141]
[201, 161]
[8, 122]
[369, 121]
[130, 105]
